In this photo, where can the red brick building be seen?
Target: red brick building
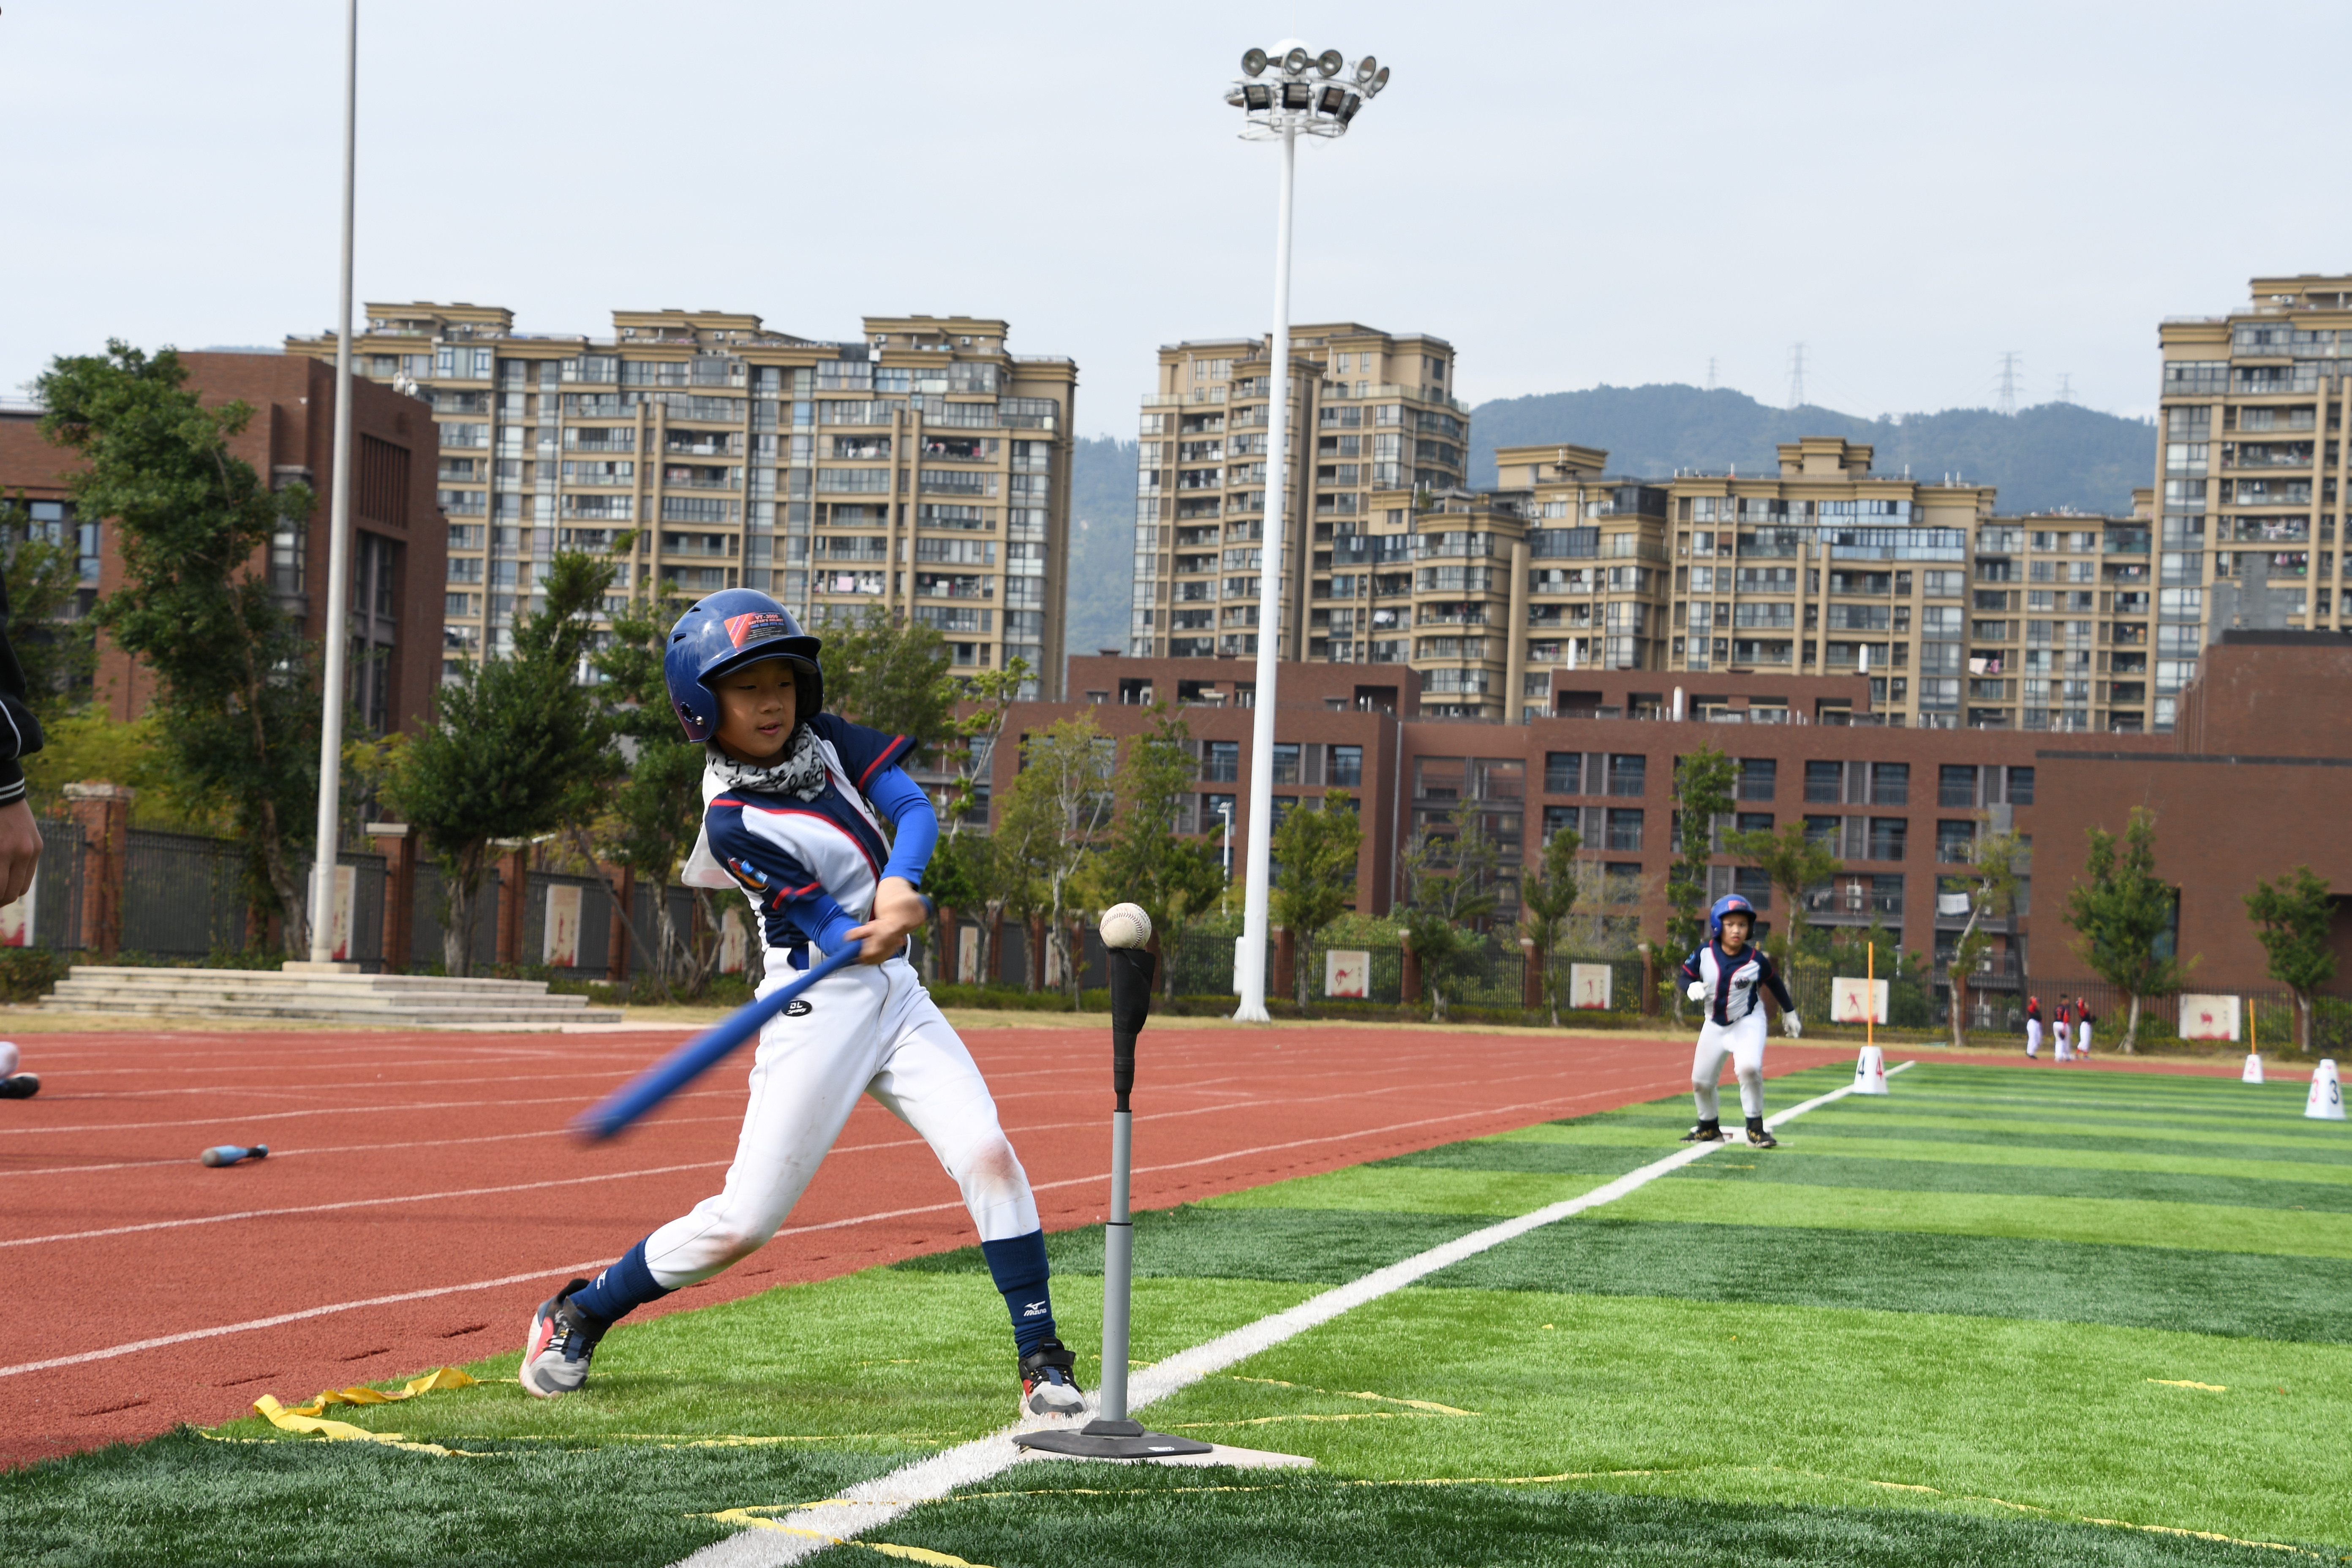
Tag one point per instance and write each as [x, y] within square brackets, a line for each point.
[1897, 805]
[398, 547]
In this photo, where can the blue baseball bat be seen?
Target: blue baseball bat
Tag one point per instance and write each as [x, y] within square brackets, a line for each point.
[632, 1101]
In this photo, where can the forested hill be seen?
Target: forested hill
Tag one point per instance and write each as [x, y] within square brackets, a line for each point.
[2056, 455]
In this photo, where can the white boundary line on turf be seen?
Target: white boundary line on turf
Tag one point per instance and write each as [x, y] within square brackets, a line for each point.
[872, 1504]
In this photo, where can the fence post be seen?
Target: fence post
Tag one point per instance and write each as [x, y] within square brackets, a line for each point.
[617, 945]
[1409, 985]
[514, 887]
[1531, 990]
[399, 851]
[1285, 963]
[947, 966]
[102, 811]
[1649, 981]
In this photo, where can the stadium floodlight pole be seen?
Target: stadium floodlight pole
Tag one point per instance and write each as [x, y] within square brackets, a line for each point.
[339, 530]
[1302, 96]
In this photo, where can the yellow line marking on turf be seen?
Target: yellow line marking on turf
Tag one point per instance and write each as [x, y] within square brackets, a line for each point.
[1343, 1394]
[888, 1549]
[1351, 1415]
[2184, 1382]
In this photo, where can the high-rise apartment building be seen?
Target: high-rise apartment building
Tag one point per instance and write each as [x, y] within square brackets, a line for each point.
[924, 469]
[2251, 469]
[1369, 412]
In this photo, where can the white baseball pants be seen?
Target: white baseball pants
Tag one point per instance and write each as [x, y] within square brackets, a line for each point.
[2033, 1037]
[2083, 1038]
[1743, 1042]
[2063, 1034]
[869, 1029]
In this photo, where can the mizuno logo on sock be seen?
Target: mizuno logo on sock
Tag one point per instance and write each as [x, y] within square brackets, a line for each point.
[1034, 1309]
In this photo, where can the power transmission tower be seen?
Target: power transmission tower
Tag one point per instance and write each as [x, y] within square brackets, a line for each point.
[2066, 388]
[2008, 404]
[1710, 372]
[1796, 376]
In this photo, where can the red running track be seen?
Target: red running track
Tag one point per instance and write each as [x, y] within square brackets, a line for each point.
[421, 1194]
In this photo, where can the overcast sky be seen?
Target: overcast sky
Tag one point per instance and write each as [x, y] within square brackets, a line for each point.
[1571, 194]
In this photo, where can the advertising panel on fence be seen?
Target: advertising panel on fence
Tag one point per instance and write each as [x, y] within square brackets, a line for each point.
[559, 941]
[2208, 1017]
[1588, 984]
[734, 944]
[16, 919]
[347, 888]
[1854, 1000]
[1347, 972]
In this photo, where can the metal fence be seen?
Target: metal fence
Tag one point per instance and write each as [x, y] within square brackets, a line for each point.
[56, 888]
[183, 895]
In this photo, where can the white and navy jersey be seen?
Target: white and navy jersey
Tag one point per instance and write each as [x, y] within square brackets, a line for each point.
[809, 866]
[1734, 981]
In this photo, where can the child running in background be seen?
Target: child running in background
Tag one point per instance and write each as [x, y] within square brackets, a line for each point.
[2063, 1030]
[2032, 1028]
[2082, 1027]
[1729, 976]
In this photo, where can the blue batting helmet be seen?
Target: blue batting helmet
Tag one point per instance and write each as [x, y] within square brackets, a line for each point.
[733, 627]
[1730, 904]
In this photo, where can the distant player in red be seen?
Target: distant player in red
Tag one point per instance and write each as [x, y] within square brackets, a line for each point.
[2032, 1028]
[2082, 1027]
[2064, 1030]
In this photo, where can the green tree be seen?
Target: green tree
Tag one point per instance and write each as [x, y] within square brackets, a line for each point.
[966, 755]
[519, 749]
[1990, 885]
[1795, 865]
[2292, 917]
[1317, 852]
[2120, 913]
[1053, 815]
[1141, 863]
[1450, 882]
[889, 674]
[55, 647]
[1703, 783]
[236, 680]
[1547, 901]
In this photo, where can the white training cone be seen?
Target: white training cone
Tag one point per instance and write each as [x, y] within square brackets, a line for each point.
[2327, 1100]
[2253, 1073]
[1869, 1071]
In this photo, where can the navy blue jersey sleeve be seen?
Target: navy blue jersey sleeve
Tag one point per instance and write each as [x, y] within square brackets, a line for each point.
[792, 903]
[915, 825]
[863, 752]
[1773, 982]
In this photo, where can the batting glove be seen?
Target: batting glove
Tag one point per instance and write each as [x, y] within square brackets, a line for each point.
[1698, 992]
[1791, 1027]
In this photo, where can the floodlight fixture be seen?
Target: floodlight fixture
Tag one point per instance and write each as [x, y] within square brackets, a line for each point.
[1297, 95]
[1296, 60]
[1256, 95]
[1253, 63]
[1347, 111]
[1379, 79]
[1329, 63]
[1365, 67]
[1331, 98]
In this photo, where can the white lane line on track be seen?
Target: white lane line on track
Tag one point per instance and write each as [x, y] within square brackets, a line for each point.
[282, 1153]
[1100, 1176]
[872, 1504]
[161, 1340]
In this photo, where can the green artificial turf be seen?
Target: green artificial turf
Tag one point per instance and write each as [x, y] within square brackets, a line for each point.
[2233, 1294]
[1947, 1326]
[1065, 1514]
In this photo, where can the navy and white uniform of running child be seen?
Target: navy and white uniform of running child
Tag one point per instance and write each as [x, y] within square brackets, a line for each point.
[1729, 976]
[797, 829]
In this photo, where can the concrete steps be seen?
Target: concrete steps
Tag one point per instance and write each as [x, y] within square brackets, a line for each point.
[412, 1001]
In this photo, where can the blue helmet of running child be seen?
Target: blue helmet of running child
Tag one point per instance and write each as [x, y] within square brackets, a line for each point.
[1730, 904]
[730, 628]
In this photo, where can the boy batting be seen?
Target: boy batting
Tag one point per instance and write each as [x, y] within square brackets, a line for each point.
[793, 802]
[1729, 976]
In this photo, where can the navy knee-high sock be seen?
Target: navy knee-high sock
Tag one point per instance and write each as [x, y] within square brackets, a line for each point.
[621, 1289]
[1018, 1265]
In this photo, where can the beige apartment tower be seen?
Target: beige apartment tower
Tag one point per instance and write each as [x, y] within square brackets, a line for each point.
[2251, 469]
[923, 469]
[1371, 413]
